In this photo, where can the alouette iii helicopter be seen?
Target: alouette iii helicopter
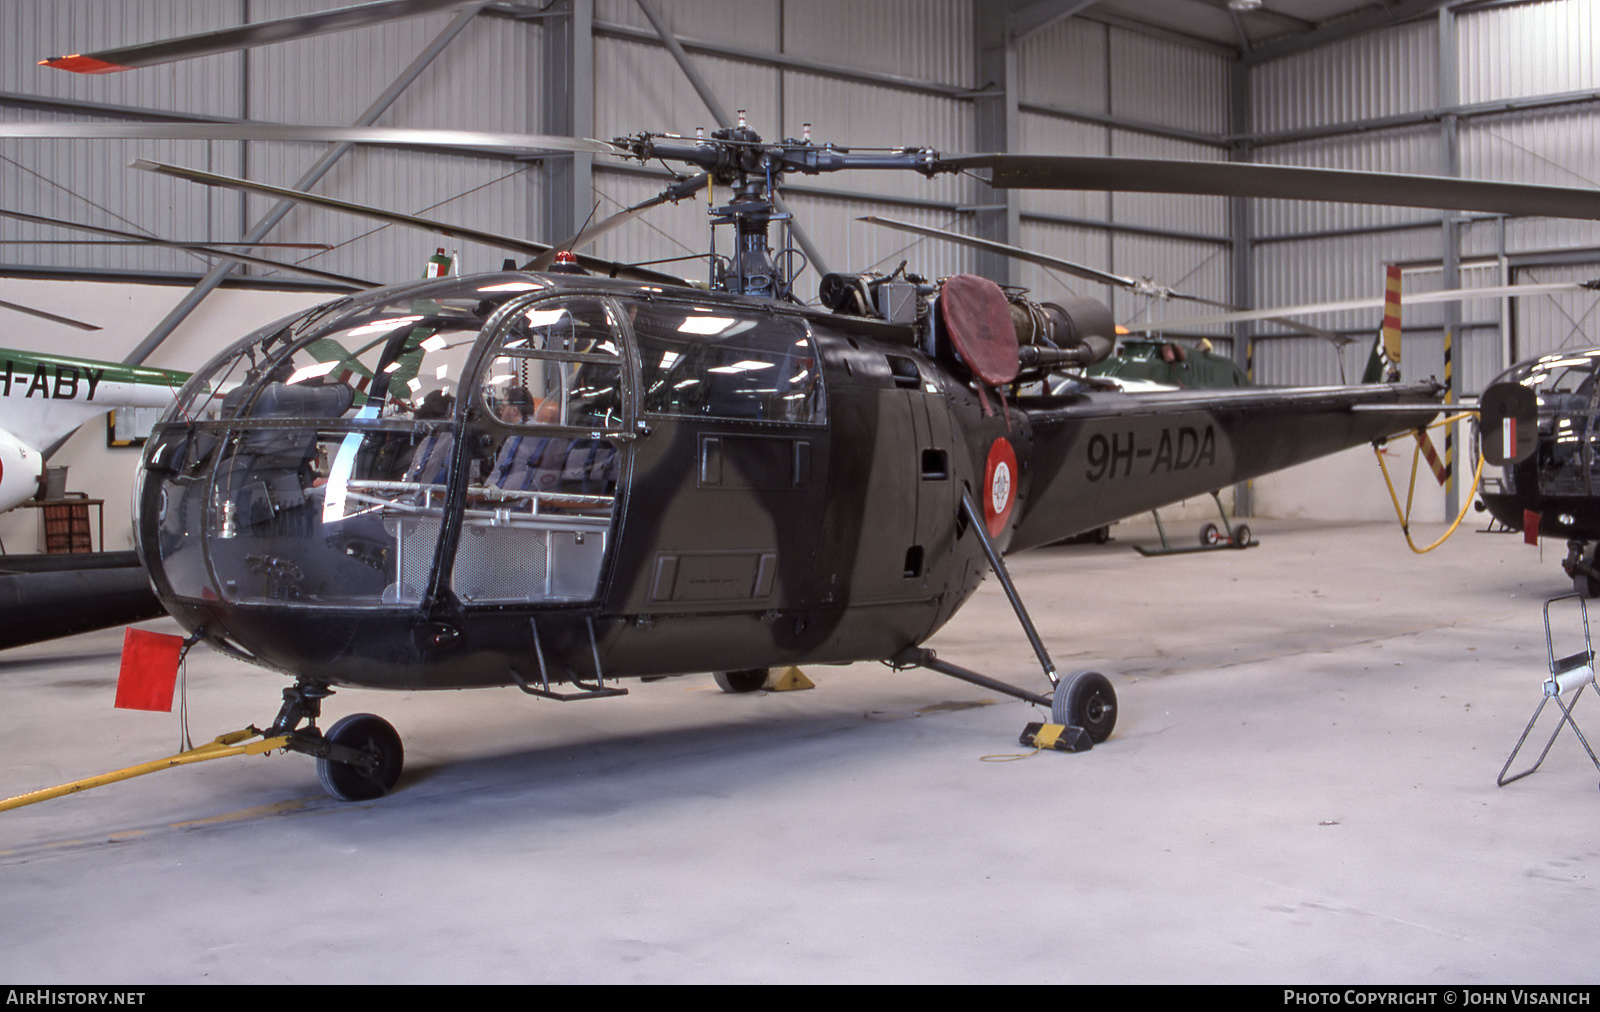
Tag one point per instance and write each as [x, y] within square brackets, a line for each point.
[577, 472]
[636, 478]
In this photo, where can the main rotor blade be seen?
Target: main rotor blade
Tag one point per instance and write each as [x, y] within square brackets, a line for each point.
[1143, 286]
[573, 243]
[1015, 252]
[461, 232]
[1420, 298]
[1239, 179]
[286, 132]
[41, 314]
[360, 210]
[203, 249]
[319, 246]
[246, 36]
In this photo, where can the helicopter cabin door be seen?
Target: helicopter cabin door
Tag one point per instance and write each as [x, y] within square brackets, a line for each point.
[727, 491]
[549, 419]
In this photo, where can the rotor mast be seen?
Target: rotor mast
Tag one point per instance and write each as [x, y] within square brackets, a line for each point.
[738, 159]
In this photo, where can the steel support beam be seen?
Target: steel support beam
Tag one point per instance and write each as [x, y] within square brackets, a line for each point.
[1241, 263]
[569, 111]
[1027, 18]
[215, 276]
[1359, 23]
[1450, 254]
[997, 124]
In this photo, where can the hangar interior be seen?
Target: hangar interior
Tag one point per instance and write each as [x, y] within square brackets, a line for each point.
[1488, 89]
[1493, 89]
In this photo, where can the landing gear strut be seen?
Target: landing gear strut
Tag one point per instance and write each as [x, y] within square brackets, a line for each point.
[1084, 703]
[360, 757]
[1580, 565]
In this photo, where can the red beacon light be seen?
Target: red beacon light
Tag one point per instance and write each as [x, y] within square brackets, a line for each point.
[566, 262]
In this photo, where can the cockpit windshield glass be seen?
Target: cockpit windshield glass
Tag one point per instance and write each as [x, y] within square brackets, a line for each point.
[557, 363]
[1563, 383]
[311, 464]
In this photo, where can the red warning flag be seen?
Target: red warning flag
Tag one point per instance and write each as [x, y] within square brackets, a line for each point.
[1439, 470]
[149, 670]
[1530, 527]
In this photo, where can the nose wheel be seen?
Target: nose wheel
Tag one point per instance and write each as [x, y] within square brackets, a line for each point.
[748, 680]
[377, 768]
[358, 759]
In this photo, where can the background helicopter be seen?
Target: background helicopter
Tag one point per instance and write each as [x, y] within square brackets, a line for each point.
[43, 398]
[878, 367]
[1538, 424]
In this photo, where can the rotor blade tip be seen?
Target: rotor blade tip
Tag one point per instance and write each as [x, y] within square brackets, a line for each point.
[77, 63]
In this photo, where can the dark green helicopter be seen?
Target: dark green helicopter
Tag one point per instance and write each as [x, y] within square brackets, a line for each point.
[581, 472]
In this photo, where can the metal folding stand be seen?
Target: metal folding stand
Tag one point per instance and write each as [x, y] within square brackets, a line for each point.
[1571, 673]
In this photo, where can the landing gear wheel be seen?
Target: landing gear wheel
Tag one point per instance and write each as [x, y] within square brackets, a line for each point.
[1086, 699]
[1210, 535]
[1581, 564]
[1586, 585]
[748, 680]
[363, 732]
[1241, 536]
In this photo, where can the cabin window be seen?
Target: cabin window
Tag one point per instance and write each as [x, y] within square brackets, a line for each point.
[719, 362]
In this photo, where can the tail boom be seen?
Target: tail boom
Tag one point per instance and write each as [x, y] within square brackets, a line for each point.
[1103, 457]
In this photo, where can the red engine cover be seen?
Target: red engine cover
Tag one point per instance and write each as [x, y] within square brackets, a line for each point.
[978, 318]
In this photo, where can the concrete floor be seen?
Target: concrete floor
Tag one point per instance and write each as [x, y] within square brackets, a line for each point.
[1301, 788]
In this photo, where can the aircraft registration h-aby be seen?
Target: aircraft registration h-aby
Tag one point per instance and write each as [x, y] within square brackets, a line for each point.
[579, 472]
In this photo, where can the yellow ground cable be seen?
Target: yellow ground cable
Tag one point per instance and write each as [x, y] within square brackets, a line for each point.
[221, 746]
[1404, 516]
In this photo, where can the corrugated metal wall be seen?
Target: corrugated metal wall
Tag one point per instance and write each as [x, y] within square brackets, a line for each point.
[1100, 70]
[1344, 92]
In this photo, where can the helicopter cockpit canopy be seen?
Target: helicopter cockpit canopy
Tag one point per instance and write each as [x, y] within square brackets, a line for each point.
[1564, 384]
[317, 461]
